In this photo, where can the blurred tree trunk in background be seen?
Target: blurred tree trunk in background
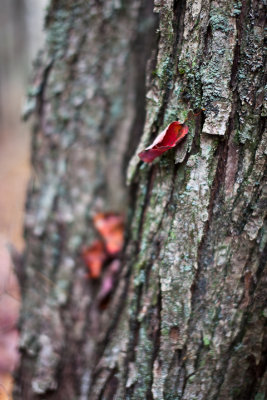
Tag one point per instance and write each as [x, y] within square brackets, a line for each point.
[187, 317]
[12, 53]
[21, 36]
[17, 45]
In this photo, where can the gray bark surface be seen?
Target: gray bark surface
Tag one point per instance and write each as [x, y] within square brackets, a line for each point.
[188, 317]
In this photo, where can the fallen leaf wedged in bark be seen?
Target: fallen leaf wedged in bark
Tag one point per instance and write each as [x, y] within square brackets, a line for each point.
[108, 283]
[166, 140]
[111, 228]
[94, 257]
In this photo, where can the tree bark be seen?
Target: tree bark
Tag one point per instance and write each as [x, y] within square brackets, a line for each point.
[187, 319]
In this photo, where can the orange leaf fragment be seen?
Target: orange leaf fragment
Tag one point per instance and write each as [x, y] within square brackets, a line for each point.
[166, 140]
[94, 257]
[111, 228]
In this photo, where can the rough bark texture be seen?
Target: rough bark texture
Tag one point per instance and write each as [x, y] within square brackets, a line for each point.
[187, 320]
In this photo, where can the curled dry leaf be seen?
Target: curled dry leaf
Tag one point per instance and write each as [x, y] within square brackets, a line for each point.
[111, 228]
[108, 283]
[94, 257]
[166, 140]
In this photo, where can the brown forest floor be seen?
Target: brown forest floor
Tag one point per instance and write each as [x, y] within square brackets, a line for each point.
[14, 175]
[22, 35]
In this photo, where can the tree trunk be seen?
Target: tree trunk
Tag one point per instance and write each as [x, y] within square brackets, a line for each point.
[186, 319]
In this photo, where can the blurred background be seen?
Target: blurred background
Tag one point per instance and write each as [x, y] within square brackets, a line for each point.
[21, 36]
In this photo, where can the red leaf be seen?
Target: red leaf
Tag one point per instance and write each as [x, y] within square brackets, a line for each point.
[111, 228]
[166, 140]
[94, 257]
